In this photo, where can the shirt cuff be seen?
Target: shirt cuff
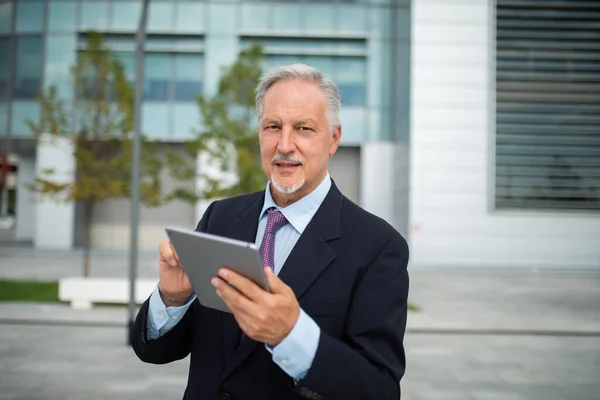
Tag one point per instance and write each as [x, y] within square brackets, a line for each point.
[161, 319]
[295, 354]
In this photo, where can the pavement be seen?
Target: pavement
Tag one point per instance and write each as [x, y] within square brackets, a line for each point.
[479, 335]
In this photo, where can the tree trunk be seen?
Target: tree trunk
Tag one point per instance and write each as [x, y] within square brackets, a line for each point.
[87, 236]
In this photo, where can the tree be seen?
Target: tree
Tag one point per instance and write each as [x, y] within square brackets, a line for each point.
[99, 127]
[228, 137]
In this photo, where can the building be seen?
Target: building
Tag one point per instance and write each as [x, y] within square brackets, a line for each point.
[462, 125]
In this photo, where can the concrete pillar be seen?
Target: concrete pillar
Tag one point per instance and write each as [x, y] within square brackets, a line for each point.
[25, 223]
[377, 179]
[54, 221]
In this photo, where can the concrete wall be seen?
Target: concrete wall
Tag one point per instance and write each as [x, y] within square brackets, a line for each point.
[54, 220]
[25, 222]
[452, 218]
[110, 222]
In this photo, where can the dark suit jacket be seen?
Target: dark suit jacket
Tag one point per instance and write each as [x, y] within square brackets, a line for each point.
[349, 273]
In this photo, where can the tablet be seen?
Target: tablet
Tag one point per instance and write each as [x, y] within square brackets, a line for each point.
[202, 255]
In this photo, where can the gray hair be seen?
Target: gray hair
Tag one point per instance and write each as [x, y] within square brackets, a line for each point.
[304, 72]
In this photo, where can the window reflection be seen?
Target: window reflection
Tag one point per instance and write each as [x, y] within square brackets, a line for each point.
[28, 67]
[62, 16]
[5, 17]
[21, 112]
[60, 57]
[188, 76]
[350, 78]
[30, 16]
[157, 71]
[127, 59]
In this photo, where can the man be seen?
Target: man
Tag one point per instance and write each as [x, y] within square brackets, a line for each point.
[332, 326]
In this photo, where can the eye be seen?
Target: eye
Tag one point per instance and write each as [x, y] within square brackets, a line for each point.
[305, 129]
[271, 127]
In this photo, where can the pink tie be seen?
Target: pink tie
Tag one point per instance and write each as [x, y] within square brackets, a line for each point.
[275, 221]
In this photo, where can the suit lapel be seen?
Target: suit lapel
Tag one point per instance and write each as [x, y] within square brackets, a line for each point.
[309, 258]
[247, 225]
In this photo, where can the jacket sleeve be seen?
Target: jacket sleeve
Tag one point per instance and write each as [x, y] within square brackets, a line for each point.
[371, 361]
[175, 344]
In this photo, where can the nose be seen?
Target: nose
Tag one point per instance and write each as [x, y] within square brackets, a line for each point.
[286, 143]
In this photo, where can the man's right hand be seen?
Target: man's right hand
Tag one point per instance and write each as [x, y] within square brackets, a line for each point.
[173, 284]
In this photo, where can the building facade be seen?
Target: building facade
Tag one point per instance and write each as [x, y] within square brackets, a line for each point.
[471, 125]
[363, 46]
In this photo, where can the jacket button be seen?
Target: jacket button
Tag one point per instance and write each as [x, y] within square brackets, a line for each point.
[224, 396]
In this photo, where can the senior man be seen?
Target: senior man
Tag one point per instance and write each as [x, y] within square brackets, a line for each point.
[332, 326]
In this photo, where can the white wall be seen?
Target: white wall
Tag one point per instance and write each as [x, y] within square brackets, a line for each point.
[377, 179]
[54, 221]
[452, 221]
[24, 229]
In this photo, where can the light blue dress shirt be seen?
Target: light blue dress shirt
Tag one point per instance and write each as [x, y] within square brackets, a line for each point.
[296, 352]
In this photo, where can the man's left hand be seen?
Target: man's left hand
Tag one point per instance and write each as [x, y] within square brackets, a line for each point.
[263, 316]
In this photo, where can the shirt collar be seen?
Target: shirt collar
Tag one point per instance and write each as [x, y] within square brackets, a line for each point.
[300, 213]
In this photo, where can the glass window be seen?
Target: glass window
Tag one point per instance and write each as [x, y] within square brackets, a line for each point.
[160, 16]
[30, 16]
[94, 15]
[320, 18]
[286, 17]
[353, 19]
[5, 17]
[28, 67]
[127, 58]
[126, 15]
[322, 63]
[354, 125]
[155, 120]
[21, 112]
[190, 17]
[253, 17]
[222, 19]
[186, 119]
[62, 16]
[274, 61]
[351, 80]
[60, 57]
[157, 71]
[4, 67]
[188, 76]
[3, 118]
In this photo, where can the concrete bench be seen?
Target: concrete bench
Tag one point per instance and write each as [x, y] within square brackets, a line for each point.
[83, 292]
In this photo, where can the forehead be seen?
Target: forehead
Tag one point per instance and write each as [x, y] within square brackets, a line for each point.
[294, 96]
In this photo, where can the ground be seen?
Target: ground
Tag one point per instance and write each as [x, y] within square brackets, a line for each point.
[480, 335]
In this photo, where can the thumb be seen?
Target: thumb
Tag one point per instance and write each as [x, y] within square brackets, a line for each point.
[275, 284]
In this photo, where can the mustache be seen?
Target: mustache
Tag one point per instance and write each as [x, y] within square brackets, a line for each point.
[290, 159]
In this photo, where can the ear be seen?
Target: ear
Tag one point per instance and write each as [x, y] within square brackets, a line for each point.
[335, 140]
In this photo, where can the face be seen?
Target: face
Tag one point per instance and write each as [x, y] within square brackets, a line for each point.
[295, 141]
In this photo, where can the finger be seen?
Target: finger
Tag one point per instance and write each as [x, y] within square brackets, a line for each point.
[166, 253]
[232, 297]
[176, 261]
[244, 285]
[276, 285]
